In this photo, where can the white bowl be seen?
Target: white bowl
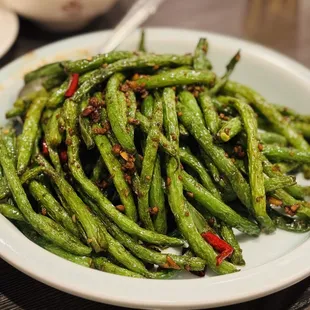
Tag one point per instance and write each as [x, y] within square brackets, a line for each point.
[59, 15]
[273, 261]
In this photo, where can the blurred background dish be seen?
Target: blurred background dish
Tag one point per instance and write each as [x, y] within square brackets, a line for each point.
[9, 26]
[59, 15]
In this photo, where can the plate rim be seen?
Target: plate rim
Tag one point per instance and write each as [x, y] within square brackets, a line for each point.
[291, 278]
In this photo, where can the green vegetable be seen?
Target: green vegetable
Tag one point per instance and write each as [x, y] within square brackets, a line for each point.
[189, 159]
[229, 236]
[217, 207]
[11, 212]
[168, 78]
[103, 264]
[52, 206]
[256, 176]
[84, 65]
[200, 61]
[46, 70]
[42, 242]
[277, 153]
[116, 108]
[183, 218]
[190, 116]
[150, 156]
[144, 61]
[211, 117]
[230, 129]
[43, 225]
[141, 46]
[30, 129]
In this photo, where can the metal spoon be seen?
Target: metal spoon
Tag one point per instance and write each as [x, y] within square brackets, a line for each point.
[137, 14]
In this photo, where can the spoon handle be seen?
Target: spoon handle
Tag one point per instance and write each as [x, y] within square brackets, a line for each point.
[137, 14]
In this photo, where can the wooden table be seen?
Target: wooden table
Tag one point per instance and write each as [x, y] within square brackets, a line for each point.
[280, 24]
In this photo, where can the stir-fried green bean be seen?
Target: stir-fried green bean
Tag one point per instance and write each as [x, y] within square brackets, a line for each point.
[129, 153]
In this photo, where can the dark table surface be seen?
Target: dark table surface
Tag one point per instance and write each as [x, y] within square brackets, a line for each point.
[280, 24]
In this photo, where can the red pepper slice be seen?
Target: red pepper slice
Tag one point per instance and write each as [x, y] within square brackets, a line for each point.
[225, 250]
[44, 148]
[73, 85]
[63, 155]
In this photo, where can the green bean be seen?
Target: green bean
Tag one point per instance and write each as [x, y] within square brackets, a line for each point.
[180, 77]
[136, 62]
[116, 249]
[277, 153]
[150, 155]
[46, 70]
[29, 133]
[303, 208]
[103, 264]
[273, 171]
[274, 183]
[53, 138]
[52, 206]
[230, 129]
[200, 61]
[157, 199]
[95, 235]
[181, 214]
[85, 127]
[131, 111]
[52, 133]
[289, 224]
[84, 65]
[228, 235]
[11, 212]
[53, 81]
[165, 144]
[151, 256]
[281, 125]
[156, 196]
[124, 222]
[9, 137]
[114, 167]
[293, 115]
[255, 165]
[147, 106]
[141, 45]
[98, 170]
[183, 131]
[303, 128]
[189, 116]
[209, 112]
[272, 138]
[116, 108]
[229, 69]
[49, 246]
[43, 225]
[223, 107]
[199, 220]
[193, 162]
[22, 103]
[217, 207]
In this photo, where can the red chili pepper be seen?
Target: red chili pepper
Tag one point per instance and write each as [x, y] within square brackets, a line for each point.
[44, 148]
[219, 245]
[73, 85]
[63, 156]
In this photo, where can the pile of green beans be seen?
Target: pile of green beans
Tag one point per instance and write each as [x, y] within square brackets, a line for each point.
[130, 153]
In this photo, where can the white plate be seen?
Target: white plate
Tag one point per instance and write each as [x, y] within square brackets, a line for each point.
[9, 26]
[273, 262]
